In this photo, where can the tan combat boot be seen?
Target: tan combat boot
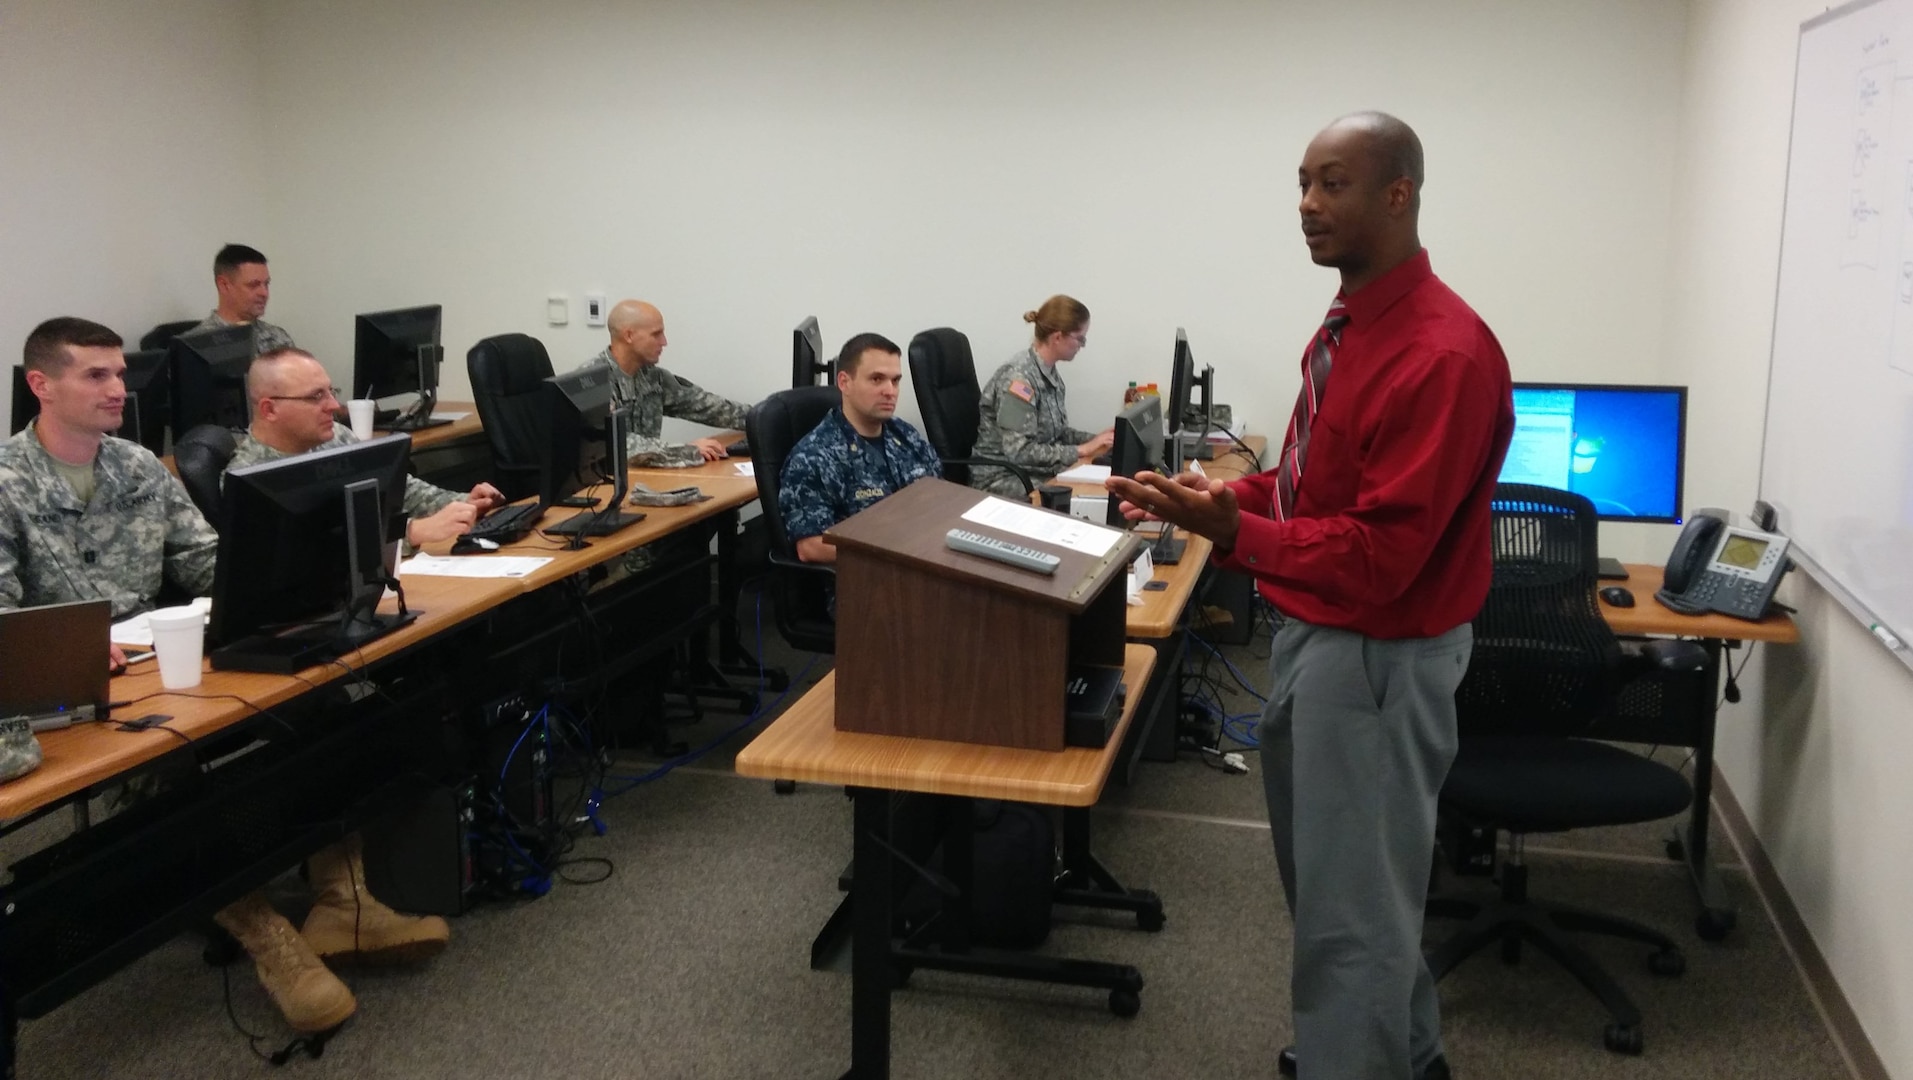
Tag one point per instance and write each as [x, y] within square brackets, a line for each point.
[311, 998]
[348, 925]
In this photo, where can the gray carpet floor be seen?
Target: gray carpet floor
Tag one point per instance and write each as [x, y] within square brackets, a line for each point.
[691, 961]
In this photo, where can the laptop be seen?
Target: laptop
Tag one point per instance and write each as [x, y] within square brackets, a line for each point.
[53, 669]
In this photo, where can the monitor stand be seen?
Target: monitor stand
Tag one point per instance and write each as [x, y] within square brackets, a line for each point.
[1611, 570]
[289, 651]
[415, 418]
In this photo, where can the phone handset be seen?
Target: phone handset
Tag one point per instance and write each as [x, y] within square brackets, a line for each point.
[1720, 567]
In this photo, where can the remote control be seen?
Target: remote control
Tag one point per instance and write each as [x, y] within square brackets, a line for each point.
[1002, 551]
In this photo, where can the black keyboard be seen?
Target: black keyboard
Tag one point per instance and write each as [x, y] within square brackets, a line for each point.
[507, 523]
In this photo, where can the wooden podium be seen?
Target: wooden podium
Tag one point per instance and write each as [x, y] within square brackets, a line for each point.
[939, 644]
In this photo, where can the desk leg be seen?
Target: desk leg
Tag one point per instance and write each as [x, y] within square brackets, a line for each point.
[1717, 915]
[870, 963]
[1086, 882]
[732, 657]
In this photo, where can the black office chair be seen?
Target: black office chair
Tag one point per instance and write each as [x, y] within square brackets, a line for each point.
[159, 337]
[1544, 673]
[944, 374]
[201, 456]
[507, 373]
[800, 590]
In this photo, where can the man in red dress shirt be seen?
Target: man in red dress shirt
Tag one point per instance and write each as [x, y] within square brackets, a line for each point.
[1371, 536]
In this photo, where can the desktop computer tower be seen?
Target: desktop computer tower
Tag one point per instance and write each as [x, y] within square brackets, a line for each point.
[420, 858]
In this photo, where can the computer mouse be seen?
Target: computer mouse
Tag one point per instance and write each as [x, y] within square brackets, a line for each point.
[1618, 595]
[487, 544]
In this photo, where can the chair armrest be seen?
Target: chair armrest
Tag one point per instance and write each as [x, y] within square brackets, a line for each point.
[1666, 655]
[791, 562]
[1029, 486]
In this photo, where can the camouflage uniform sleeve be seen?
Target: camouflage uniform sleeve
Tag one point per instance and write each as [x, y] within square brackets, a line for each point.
[192, 546]
[686, 400]
[923, 457]
[424, 500]
[11, 537]
[804, 498]
[1019, 426]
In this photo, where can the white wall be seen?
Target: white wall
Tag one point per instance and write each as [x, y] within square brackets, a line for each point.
[895, 166]
[129, 151]
[1817, 752]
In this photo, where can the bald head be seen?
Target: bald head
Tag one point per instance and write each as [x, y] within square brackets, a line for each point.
[637, 335]
[292, 400]
[1361, 196]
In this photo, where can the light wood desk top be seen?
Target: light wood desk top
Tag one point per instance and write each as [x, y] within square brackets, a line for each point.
[426, 438]
[804, 744]
[85, 754]
[1650, 616]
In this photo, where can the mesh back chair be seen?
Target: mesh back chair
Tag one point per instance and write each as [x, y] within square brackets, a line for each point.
[800, 590]
[201, 456]
[1544, 673]
[507, 373]
[944, 375]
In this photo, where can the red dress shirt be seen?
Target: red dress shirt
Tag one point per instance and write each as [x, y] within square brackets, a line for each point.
[1390, 536]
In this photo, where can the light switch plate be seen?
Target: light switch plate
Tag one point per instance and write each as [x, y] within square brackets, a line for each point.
[557, 309]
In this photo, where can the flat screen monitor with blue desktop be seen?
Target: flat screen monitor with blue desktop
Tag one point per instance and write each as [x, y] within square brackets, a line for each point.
[1621, 446]
[398, 353]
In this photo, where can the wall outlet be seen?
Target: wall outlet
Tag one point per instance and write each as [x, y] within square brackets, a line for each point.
[594, 309]
[557, 309]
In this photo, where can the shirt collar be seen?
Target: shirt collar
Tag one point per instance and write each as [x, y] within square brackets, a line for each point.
[1379, 295]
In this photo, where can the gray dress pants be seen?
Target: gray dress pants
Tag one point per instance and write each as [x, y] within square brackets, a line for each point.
[1356, 741]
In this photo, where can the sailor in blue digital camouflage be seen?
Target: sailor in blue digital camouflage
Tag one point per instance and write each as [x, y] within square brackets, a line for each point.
[648, 393]
[84, 515]
[857, 455]
[1024, 412]
[245, 285]
[293, 402]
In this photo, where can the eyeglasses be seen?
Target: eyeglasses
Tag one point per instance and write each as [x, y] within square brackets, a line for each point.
[314, 398]
[1080, 337]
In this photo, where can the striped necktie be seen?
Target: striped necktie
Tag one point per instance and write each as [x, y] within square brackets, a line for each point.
[1295, 444]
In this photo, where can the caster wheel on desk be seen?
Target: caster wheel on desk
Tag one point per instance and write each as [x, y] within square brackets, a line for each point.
[1622, 1038]
[1667, 963]
[1714, 925]
[784, 787]
[1125, 1003]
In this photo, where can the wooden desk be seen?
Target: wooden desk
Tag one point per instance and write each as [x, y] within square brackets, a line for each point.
[464, 427]
[1650, 617]
[804, 744]
[78, 757]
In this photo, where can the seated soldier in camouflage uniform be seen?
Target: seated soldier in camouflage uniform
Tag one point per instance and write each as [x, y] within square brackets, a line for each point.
[85, 516]
[1024, 416]
[857, 455]
[293, 401]
[649, 393]
[244, 284]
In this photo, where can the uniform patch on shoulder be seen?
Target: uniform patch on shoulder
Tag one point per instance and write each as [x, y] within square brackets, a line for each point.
[1022, 389]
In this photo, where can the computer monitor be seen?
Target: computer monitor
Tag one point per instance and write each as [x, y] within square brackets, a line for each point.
[209, 378]
[584, 448]
[1138, 447]
[398, 352]
[1191, 440]
[149, 399]
[807, 364]
[304, 556]
[25, 405]
[1621, 446]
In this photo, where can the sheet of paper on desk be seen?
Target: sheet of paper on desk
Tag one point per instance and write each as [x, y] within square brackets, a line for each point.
[1024, 520]
[744, 468]
[137, 631]
[437, 415]
[1084, 474]
[471, 566]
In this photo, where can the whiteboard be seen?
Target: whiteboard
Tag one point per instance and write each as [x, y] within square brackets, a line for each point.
[1837, 459]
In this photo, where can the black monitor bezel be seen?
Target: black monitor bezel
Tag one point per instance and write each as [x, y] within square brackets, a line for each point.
[1680, 443]
[385, 362]
[211, 389]
[807, 364]
[260, 532]
[149, 398]
[577, 402]
[1137, 445]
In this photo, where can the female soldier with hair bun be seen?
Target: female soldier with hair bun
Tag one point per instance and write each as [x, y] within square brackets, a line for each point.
[1024, 415]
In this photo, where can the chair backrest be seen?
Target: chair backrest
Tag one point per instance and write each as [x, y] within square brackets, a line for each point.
[159, 337]
[507, 374]
[944, 375]
[774, 427]
[1545, 661]
[201, 456]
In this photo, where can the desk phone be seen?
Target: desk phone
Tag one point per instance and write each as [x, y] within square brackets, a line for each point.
[1725, 568]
